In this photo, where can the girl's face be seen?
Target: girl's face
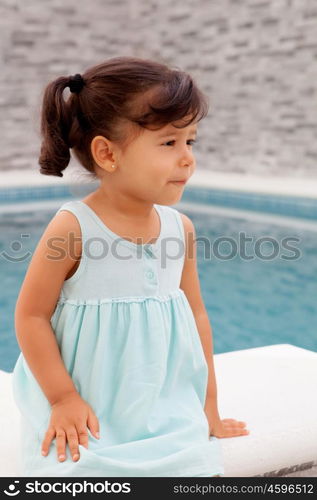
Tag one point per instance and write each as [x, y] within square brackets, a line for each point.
[156, 158]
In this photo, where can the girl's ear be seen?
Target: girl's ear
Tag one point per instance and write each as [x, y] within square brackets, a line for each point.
[101, 152]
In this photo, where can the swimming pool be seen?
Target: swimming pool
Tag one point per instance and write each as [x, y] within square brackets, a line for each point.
[257, 273]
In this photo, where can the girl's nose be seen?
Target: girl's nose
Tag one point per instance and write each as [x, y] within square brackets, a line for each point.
[187, 157]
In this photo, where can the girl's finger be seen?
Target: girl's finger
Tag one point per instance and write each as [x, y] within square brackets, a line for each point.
[229, 420]
[235, 429]
[238, 432]
[241, 427]
[237, 425]
[82, 436]
[233, 423]
[228, 425]
[61, 444]
[93, 424]
[48, 438]
[72, 439]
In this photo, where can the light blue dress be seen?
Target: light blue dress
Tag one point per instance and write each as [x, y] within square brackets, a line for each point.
[129, 340]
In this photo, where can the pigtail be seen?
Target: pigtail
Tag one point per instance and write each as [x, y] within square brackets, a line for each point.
[55, 126]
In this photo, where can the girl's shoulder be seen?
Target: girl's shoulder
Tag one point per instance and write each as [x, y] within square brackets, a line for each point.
[65, 220]
[65, 229]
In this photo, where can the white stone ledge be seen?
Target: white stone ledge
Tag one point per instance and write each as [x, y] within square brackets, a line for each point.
[296, 186]
[272, 388]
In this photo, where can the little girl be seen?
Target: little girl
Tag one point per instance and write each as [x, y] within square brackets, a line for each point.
[114, 335]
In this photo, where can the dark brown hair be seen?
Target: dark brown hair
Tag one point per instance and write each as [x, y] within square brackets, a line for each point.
[119, 98]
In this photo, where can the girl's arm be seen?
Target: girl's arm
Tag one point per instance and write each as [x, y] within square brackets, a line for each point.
[191, 287]
[70, 415]
[36, 303]
[38, 344]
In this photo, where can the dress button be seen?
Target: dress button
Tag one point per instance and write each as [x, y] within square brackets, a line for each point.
[150, 274]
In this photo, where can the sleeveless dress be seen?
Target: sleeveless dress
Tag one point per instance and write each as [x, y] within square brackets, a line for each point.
[129, 340]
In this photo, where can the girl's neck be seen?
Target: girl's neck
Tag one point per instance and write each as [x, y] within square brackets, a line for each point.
[122, 206]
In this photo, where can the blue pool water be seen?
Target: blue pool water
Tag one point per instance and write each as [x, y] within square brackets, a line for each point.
[250, 303]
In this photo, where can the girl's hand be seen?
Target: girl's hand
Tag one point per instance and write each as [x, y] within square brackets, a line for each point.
[228, 427]
[70, 418]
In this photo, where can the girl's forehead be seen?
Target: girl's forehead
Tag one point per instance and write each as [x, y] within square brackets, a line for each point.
[170, 128]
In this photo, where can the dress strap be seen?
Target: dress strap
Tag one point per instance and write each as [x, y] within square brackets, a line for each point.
[180, 225]
[88, 235]
[174, 228]
[76, 209]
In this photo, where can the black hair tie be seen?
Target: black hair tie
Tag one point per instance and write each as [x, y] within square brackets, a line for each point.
[76, 83]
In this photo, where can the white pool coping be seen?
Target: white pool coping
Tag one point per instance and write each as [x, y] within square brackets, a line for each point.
[272, 388]
[290, 186]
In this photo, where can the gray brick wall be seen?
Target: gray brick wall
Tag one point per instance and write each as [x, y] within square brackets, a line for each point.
[256, 60]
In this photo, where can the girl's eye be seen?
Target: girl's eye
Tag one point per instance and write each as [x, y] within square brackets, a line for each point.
[190, 140]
